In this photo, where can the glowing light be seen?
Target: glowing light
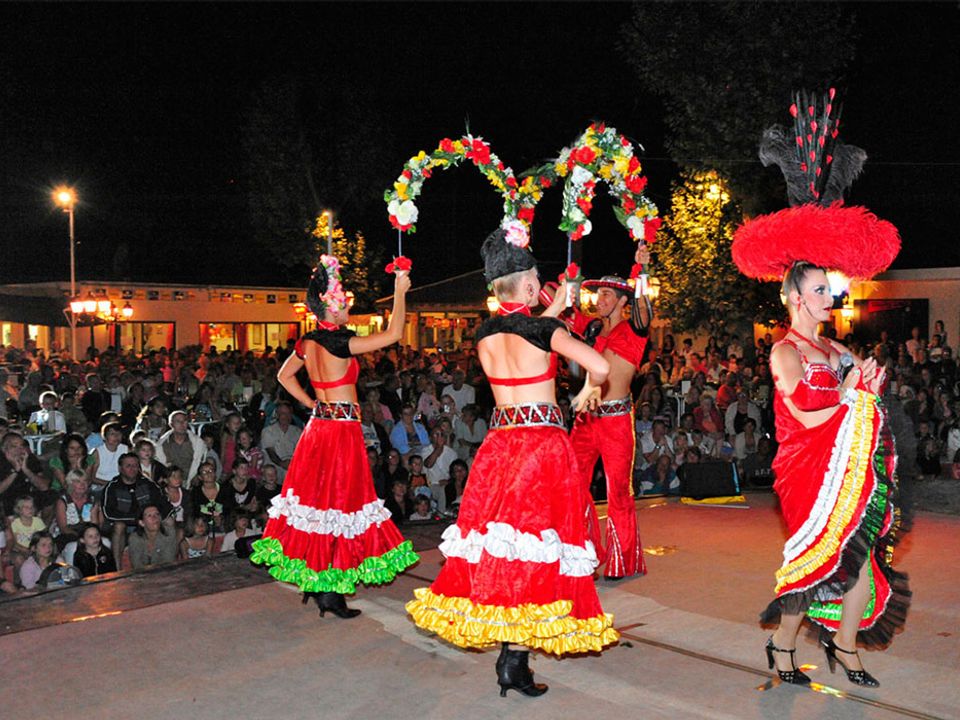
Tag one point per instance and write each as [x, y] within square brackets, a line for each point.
[90, 305]
[104, 307]
[653, 288]
[839, 283]
[351, 299]
[65, 197]
[300, 308]
[127, 311]
[95, 617]
[493, 304]
[76, 306]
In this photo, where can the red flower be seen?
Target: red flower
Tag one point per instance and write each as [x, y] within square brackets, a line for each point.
[633, 166]
[650, 228]
[526, 214]
[511, 181]
[479, 152]
[635, 184]
[407, 174]
[577, 234]
[624, 141]
[583, 155]
[500, 166]
[427, 172]
[545, 182]
[793, 110]
[572, 272]
[628, 205]
[401, 263]
[584, 204]
[636, 270]
[397, 225]
[447, 145]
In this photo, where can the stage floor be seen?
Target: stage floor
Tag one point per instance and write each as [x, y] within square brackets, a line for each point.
[691, 648]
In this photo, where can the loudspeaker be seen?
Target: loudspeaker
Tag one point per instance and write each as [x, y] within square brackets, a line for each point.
[709, 479]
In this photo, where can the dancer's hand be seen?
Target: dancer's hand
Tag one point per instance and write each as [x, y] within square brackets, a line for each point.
[402, 282]
[588, 398]
[642, 255]
[556, 305]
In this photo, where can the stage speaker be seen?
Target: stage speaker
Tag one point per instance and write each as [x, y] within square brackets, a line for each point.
[709, 479]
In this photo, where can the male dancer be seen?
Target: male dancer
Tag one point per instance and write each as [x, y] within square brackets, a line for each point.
[608, 432]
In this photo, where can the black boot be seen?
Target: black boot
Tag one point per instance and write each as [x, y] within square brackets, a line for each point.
[513, 671]
[332, 602]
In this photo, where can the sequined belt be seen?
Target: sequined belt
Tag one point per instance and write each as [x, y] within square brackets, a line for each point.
[609, 408]
[526, 415]
[339, 410]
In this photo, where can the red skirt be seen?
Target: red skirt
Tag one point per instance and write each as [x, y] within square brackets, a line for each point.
[328, 530]
[519, 566]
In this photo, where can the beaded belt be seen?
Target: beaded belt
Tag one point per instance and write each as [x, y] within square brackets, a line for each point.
[609, 408]
[339, 410]
[526, 415]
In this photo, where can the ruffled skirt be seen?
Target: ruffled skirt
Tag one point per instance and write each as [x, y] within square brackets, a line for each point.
[837, 489]
[328, 530]
[519, 567]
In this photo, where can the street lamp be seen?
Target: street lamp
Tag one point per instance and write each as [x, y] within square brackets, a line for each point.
[329, 215]
[66, 199]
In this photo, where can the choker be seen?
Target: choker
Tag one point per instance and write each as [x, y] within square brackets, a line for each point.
[812, 343]
[324, 325]
[513, 308]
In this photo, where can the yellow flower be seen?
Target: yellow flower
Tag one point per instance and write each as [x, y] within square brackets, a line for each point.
[458, 146]
[401, 189]
[561, 169]
[621, 163]
[439, 162]
[605, 171]
[419, 158]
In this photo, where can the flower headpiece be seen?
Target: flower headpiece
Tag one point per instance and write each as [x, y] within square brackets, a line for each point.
[326, 289]
[506, 251]
[817, 228]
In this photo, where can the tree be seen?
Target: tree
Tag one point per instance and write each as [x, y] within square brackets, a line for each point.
[700, 287]
[724, 72]
[357, 263]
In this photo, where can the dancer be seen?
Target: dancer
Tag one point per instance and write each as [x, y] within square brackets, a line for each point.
[607, 431]
[519, 565]
[328, 530]
[836, 465]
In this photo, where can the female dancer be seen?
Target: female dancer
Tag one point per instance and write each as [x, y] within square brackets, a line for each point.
[834, 471]
[519, 567]
[836, 465]
[327, 529]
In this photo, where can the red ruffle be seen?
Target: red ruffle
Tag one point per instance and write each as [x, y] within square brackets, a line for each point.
[851, 240]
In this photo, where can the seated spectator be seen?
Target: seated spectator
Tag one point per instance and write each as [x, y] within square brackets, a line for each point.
[374, 436]
[409, 436]
[73, 455]
[247, 449]
[660, 478]
[706, 417]
[280, 440]
[267, 489]
[428, 405]
[181, 506]
[655, 443]
[469, 433]
[437, 458]
[21, 473]
[394, 471]
[421, 509]
[727, 393]
[228, 442]
[21, 528]
[757, 468]
[738, 412]
[197, 540]
[124, 500]
[181, 446]
[48, 419]
[399, 503]
[418, 478]
[153, 418]
[75, 419]
[644, 421]
[928, 457]
[42, 555]
[241, 532]
[151, 543]
[95, 400]
[205, 494]
[462, 393]
[745, 443]
[92, 557]
[75, 508]
[106, 457]
[458, 482]
[210, 438]
[240, 491]
[151, 468]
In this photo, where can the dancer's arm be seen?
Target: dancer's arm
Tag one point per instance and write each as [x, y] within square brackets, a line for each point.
[287, 377]
[594, 363]
[394, 332]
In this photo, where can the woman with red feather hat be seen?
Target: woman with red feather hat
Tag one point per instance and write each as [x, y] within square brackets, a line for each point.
[836, 465]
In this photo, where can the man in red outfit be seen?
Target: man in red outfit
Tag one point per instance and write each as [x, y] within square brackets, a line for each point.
[608, 432]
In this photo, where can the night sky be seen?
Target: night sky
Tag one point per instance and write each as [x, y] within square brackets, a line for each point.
[139, 107]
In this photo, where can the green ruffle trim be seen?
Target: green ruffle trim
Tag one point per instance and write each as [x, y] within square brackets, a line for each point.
[372, 571]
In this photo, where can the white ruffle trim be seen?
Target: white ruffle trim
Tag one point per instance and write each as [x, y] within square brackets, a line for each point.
[327, 522]
[504, 541]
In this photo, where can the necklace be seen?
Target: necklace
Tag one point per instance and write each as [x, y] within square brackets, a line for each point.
[813, 343]
[325, 325]
[512, 308]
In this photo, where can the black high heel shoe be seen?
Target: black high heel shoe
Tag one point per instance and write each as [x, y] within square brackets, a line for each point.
[857, 677]
[794, 676]
[331, 602]
[513, 673]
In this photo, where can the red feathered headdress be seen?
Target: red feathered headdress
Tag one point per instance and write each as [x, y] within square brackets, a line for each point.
[818, 169]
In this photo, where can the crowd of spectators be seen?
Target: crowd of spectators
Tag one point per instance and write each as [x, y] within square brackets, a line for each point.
[127, 460]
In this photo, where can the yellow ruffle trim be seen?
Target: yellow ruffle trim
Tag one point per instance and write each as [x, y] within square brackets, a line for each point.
[543, 627]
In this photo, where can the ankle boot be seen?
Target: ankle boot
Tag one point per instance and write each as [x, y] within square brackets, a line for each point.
[513, 672]
[332, 602]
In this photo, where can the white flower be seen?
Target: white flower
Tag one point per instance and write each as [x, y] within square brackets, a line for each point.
[635, 226]
[516, 233]
[587, 227]
[576, 214]
[405, 212]
[580, 175]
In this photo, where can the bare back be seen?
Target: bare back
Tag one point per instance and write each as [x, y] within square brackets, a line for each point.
[505, 355]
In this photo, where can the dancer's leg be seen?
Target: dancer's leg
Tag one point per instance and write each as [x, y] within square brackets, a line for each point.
[854, 603]
[785, 637]
[617, 442]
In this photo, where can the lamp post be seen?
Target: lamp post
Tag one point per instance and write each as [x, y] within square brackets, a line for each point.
[329, 216]
[66, 198]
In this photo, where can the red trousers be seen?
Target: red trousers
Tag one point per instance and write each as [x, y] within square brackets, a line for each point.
[612, 439]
